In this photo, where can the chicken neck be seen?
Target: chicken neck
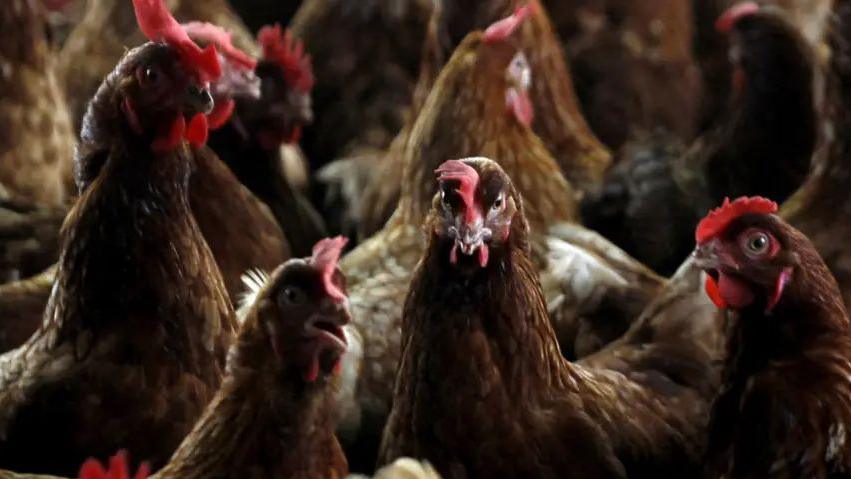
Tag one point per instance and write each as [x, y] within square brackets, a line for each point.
[788, 359]
[261, 424]
[766, 144]
[469, 98]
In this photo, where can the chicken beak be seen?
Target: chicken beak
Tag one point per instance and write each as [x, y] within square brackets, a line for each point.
[706, 255]
[471, 238]
[198, 100]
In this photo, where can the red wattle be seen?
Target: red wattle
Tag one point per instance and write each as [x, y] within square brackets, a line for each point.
[736, 293]
[453, 255]
[173, 137]
[196, 133]
[484, 254]
[295, 135]
[521, 107]
[711, 288]
[312, 372]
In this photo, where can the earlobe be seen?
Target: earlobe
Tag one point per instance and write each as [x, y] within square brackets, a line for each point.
[779, 286]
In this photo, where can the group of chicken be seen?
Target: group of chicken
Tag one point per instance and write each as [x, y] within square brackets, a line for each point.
[577, 239]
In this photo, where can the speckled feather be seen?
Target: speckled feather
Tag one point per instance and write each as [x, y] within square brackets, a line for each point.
[36, 137]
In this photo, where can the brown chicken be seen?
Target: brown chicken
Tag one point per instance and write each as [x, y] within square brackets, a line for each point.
[557, 118]
[279, 372]
[109, 28]
[133, 341]
[784, 408]
[654, 197]
[585, 274]
[250, 143]
[809, 16]
[36, 141]
[633, 65]
[483, 390]
[281, 369]
[821, 206]
[240, 229]
[348, 41]
[99, 41]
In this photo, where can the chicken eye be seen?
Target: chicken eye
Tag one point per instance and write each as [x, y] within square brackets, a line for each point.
[756, 243]
[292, 296]
[444, 200]
[497, 204]
[148, 75]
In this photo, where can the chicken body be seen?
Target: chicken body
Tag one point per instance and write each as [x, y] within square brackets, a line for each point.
[651, 201]
[557, 120]
[819, 208]
[36, 144]
[784, 405]
[348, 44]
[134, 336]
[267, 420]
[507, 403]
[251, 146]
[633, 65]
[239, 228]
[469, 95]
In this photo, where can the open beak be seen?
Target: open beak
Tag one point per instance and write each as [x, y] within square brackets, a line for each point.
[471, 238]
[327, 339]
[198, 100]
[724, 286]
[706, 256]
[327, 325]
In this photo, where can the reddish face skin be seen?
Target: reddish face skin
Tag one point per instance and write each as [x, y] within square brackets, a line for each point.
[162, 100]
[747, 264]
[476, 207]
[519, 79]
[305, 312]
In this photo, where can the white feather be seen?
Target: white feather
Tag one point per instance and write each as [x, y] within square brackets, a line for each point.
[255, 280]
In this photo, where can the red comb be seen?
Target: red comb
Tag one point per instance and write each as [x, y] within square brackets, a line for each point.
[157, 23]
[279, 47]
[118, 469]
[506, 27]
[467, 176]
[326, 253]
[717, 220]
[732, 15]
[214, 34]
